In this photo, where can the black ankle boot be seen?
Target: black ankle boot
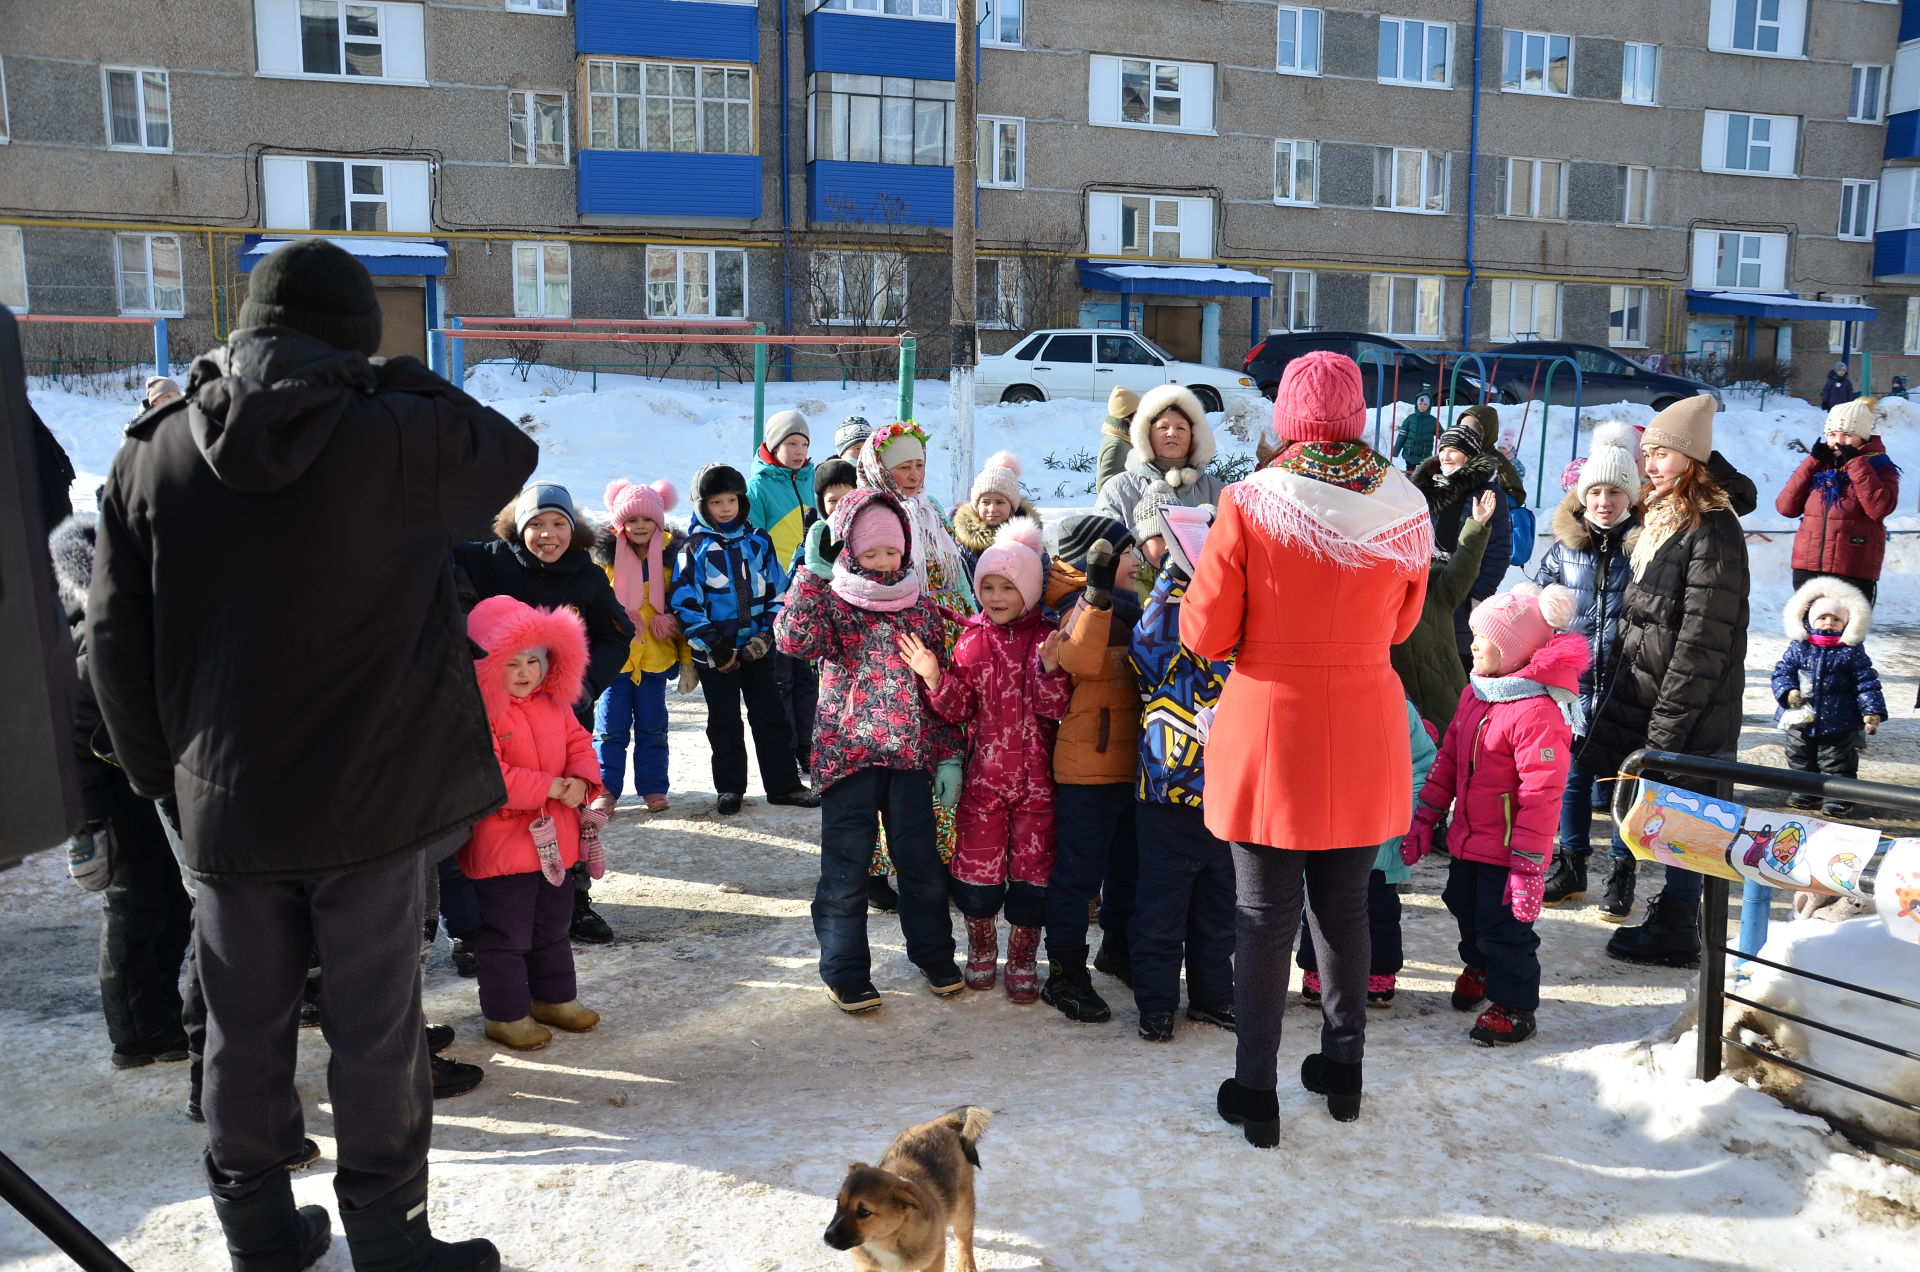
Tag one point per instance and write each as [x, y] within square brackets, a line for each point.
[1338, 1081]
[266, 1234]
[1256, 1113]
[393, 1235]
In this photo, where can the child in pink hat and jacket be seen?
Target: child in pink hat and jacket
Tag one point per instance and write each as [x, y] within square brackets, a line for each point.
[1503, 769]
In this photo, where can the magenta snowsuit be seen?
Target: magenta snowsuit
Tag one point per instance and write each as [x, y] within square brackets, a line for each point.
[994, 684]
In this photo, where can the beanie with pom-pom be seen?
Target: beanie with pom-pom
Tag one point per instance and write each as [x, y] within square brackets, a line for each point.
[1015, 557]
[1520, 621]
[1611, 462]
[633, 584]
[1001, 476]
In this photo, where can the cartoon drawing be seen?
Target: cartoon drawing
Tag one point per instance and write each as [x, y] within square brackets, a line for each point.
[1758, 848]
[1784, 848]
[1677, 827]
[1650, 833]
[1843, 868]
[1908, 900]
[1896, 890]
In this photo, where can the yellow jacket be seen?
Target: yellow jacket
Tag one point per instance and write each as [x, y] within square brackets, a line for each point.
[649, 653]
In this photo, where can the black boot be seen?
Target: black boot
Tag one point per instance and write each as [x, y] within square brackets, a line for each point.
[266, 1234]
[1567, 880]
[1616, 903]
[1256, 1113]
[881, 898]
[1669, 938]
[195, 1073]
[1070, 987]
[392, 1235]
[587, 926]
[1115, 958]
[1338, 1081]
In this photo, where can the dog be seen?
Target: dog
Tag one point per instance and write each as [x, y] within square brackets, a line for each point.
[894, 1217]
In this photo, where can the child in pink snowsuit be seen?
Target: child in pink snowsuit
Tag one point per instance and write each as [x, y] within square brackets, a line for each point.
[1004, 682]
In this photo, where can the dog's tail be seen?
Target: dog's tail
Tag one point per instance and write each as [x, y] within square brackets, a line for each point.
[968, 1121]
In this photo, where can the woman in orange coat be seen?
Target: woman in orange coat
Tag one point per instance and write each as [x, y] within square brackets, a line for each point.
[1316, 565]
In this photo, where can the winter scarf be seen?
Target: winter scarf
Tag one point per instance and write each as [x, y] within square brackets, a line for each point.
[1517, 688]
[1662, 519]
[637, 583]
[1365, 513]
[930, 548]
[883, 593]
[1826, 640]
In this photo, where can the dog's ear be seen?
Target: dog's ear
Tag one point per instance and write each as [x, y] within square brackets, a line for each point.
[904, 1198]
[856, 1166]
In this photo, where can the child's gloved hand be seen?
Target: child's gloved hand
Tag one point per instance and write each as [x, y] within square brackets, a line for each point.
[1795, 699]
[1873, 723]
[689, 678]
[946, 783]
[90, 856]
[1101, 567]
[1526, 887]
[1418, 841]
[756, 648]
[721, 656]
[546, 846]
[822, 550]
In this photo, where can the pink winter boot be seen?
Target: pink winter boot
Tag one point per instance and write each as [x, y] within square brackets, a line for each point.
[591, 820]
[1023, 975]
[546, 844]
[983, 952]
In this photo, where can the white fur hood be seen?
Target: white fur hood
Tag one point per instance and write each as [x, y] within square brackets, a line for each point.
[1859, 611]
[1152, 403]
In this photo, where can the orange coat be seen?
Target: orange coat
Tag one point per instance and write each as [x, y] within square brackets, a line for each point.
[1308, 748]
[1099, 742]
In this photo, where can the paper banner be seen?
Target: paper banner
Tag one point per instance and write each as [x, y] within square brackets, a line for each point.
[1793, 850]
[1896, 890]
[1676, 827]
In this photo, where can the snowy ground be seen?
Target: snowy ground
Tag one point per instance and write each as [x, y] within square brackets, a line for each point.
[706, 1124]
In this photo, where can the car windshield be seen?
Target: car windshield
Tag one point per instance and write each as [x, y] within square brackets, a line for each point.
[1155, 349]
[1124, 350]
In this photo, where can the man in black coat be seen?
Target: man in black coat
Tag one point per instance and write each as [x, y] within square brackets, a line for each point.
[277, 653]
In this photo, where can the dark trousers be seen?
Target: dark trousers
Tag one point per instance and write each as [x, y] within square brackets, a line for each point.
[1576, 812]
[1095, 854]
[1868, 587]
[766, 712]
[1270, 885]
[1836, 756]
[1025, 904]
[1490, 936]
[254, 940]
[1383, 926]
[521, 948]
[452, 900]
[800, 692]
[851, 813]
[1183, 911]
[146, 924]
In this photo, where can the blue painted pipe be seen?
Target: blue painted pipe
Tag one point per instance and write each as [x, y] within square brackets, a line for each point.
[1473, 173]
[786, 205]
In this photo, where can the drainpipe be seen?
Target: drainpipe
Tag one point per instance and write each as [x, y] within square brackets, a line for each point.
[786, 204]
[1473, 175]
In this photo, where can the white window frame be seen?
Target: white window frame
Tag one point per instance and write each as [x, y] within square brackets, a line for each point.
[1430, 297]
[1788, 27]
[13, 246]
[987, 152]
[1304, 20]
[150, 302]
[1436, 176]
[1290, 156]
[1399, 38]
[554, 8]
[857, 103]
[1781, 142]
[280, 49]
[1009, 308]
[537, 254]
[1533, 211]
[1538, 301]
[1624, 181]
[922, 10]
[993, 24]
[1620, 301]
[1911, 343]
[1513, 78]
[1868, 107]
[406, 189]
[888, 267]
[1106, 93]
[1836, 331]
[1287, 291]
[1632, 59]
[1108, 214]
[679, 258]
[146, 121]
[521, 104]
[604, 104]
[1857, 223]
[1766, 253]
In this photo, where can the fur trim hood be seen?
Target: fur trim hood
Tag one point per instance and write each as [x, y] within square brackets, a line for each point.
[976, 535]
[503, 627]
[1575, 533]
[1559, 663]
[1859, 610]
[71, 548]
[584, 530]
[1153, 403]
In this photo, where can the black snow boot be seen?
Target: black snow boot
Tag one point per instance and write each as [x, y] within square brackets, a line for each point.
[266, 1234]
[1616, 903]
[1070, 987]
[1669, 938]
[1338, 1081]
[1567, 880]
[1256, 1113]
[587, 926]
[392, 1235]
[1115, 958]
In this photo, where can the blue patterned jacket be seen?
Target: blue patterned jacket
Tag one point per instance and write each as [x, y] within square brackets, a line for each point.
[1176, 685]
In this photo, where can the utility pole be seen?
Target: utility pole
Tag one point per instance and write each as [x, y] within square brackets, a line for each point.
[964, 339]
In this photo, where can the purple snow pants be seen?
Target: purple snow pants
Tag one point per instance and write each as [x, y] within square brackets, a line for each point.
[522, 946]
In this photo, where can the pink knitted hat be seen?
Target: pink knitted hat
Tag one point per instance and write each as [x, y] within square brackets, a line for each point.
[625, 502]
[876, 526]
[1320, 399]
[1521, 621]
[1829, 606]
[1015, 557]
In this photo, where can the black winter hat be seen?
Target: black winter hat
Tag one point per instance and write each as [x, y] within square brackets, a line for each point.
[1464, 438]
[1080, 532]
[720, 479]
[317, 289]
[834, 472]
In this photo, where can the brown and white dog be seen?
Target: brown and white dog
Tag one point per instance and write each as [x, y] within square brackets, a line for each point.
[894, 1217]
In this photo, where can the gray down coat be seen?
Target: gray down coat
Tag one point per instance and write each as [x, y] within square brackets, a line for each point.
[1593, 564]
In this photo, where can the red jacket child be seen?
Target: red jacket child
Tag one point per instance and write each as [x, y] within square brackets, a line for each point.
[536, 739]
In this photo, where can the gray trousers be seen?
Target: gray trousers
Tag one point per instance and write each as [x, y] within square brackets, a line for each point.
[1269, 883]
[253, 941]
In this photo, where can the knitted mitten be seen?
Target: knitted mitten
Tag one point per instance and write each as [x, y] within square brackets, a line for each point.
[591, 852]
[546, 843]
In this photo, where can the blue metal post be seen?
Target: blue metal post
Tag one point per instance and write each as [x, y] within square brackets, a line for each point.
[436, 345]
[1124, 324]
[160, 363]
[1253, 337]
[456, 357]
[786, 206]
[1756, 903]
[1473, 172]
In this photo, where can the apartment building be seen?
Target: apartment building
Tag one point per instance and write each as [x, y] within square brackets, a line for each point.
[1716, 177]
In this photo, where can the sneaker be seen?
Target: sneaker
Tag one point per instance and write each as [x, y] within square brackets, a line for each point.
[854, 997]
[944, 978]
[1470, 988]
[1502, 1026]
[451, 1078]
[1156, 1026]
[727, 803]
[1069, 988]
[439, 1038]
[1220, 1014]
[881, 898]
[1310, 986]
[1380, 990]
[1616, 903]
[464, 962]
[588, 927]
[798, 797]
[309, 1154]
[1566, 880]
[167, 1053]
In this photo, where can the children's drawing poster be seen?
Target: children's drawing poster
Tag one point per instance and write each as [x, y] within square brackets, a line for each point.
[1676, 827]
[1793, 850]
[1896, 890]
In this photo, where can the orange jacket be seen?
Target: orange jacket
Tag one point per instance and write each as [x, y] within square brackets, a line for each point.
[1099, 741]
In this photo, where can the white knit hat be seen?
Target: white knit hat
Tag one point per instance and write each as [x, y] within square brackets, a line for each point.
[1854, 418]
[1001, 476]
[1611, 462]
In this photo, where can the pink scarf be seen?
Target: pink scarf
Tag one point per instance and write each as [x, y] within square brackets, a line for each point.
[1826, 640]
[636, 582]
[886, 593]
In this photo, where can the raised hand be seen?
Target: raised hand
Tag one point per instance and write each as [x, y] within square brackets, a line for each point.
[1050, 651]
[1483, 506]
[923, 661]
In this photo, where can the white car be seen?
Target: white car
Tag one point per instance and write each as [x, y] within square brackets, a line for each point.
[1087, 363]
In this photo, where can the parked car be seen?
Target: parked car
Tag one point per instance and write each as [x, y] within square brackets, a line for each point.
[1407, 373]
[1605, 376]
[1089, 363]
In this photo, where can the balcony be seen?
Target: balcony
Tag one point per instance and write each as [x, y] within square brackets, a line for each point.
[671, 28]
[880, 193]
[1896, 256]
[864, 44]
[654, 183]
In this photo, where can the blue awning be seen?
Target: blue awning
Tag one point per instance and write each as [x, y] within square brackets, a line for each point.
[1768, 305]
[1172, 280]
[380, 256]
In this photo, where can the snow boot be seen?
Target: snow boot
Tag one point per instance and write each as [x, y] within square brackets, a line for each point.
[1670, 937]
[1310, 986]
[1023, 972]
[1070, 988]
[944, 978]
[1380, 990]
[1156, 1026]
[587, 927]
[727, 803]
[983, 952]
[392, 1235]
[1566, 880]
[798, 797]
[1220, 1014]
[593, 854]
[881, 898]
[1115, 958]
[1470, 988]
[524, 1034]
[570, 1015]
[1836, 808]
[265, 1233]
[854, 997]
[1804, 801]
[1616, 903]
[439, 1038]
[1256, 1113]
[465, 962]
[1338, 1081]
[1501, 1027]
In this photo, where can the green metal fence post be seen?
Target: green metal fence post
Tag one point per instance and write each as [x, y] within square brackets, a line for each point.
[908, 351]
[759, 387]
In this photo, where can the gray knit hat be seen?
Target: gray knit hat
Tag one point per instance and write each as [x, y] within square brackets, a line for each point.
[542, 496]
[785, 424]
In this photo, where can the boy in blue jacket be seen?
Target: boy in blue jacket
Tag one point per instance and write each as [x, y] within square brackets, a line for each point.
[1827, 687]
[726, 593]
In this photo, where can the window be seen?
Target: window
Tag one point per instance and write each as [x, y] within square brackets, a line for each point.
[389, 196]
[148, 266]
[1755, 144]
[1639, 73]
[341, 39]
[669, 106]
[875, 119]
[1535, 189]
[1416, 52]
[1137, 92]
[996, 297]
[1856, 209]
[1524, 311]
[1627, 316]
[1406, 305]
[1866, 96]
[1733, 260]
[1293, 164]
[537, 128]
[346, 196]
[13, 269]
[1844, 336]
[859, 287]
[538, 6]
[1768, 28]
[1537, 62]
[937, 9]
[1001, 24]
[139, 115]
[1634, 186]
[1409, 180]
[1124, 351]
[1911, 344]
[1298, 51]
[696, 282]
[1164, 226]
[1002, 156]
[1293, 300]
[542, 280]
